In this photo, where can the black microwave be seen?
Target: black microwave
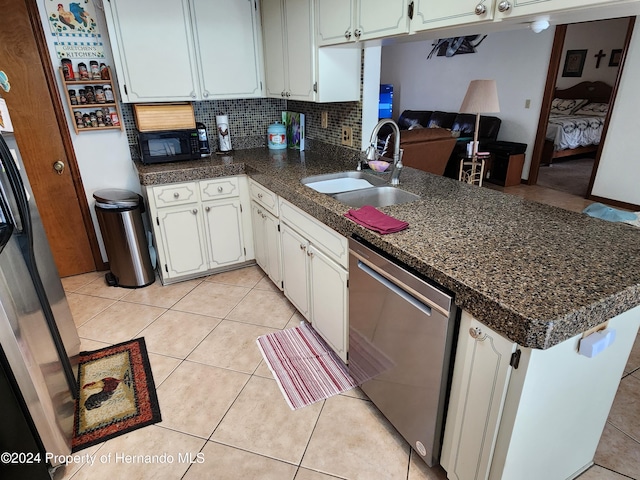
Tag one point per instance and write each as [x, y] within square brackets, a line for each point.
[168, 146]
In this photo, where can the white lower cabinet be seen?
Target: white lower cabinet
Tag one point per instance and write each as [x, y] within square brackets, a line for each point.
[479, 386]
[200, 227]
[295, 269]
[266, 241]
[526, 414]
[266, 231]
[314, 273]
[180, 241]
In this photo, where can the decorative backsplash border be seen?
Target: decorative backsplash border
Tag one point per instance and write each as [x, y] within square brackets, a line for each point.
[249, 119]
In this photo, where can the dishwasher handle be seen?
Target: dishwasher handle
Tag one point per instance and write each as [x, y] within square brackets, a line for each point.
[395, 288]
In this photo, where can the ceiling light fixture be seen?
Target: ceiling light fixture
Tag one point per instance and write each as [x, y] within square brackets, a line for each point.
[539, 25]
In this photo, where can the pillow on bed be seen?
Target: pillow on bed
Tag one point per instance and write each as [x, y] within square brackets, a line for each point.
[566, 106]
[594, 109]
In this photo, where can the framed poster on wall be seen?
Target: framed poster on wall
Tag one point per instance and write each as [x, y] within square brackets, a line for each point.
[574, 63]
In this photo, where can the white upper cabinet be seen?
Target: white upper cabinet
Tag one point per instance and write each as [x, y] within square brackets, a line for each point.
[177, 50]
[340, 21]
[428, 14]
[228, 48]
[295, 68]
[517, 8]
[152, 43]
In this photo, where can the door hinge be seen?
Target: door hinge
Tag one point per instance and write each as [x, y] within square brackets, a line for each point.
[260, 86]
[166, 269]
[282, 284]
[245, 251]
[125, 89]
[278, 227]
[347, 283]
[157, 221]
[515, 358]
[315, 87]
[410, 11]
[240, 208]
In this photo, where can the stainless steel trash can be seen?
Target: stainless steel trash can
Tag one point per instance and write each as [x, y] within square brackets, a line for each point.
[119, 215]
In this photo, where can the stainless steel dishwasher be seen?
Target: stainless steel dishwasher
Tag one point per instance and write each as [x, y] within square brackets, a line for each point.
[401, 331]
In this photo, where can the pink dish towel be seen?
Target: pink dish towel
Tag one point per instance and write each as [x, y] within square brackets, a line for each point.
[373, 219]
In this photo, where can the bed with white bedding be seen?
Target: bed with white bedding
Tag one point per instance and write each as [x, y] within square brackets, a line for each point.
[576, 121]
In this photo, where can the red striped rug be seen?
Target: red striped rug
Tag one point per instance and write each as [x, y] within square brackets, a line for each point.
[304, 367]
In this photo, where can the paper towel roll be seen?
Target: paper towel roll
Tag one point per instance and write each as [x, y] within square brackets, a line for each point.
[224, 139]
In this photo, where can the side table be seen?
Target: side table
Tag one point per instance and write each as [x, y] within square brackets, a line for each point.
[472, 170]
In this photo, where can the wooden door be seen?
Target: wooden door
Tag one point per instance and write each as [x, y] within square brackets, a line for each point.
[43, 138]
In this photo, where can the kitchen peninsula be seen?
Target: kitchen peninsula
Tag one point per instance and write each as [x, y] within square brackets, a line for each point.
[529, 278]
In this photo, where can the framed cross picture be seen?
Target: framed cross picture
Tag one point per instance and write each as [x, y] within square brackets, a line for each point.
[614, 59]
[574, 63]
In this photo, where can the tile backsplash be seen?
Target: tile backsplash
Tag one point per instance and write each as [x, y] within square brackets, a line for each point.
[249, 119]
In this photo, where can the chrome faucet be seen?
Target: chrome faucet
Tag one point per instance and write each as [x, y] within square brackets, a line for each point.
[372, 151]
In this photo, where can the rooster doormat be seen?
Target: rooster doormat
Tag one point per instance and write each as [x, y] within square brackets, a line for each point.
[116, 393]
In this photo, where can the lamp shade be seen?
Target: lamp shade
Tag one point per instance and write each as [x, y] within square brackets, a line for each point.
[481, 97]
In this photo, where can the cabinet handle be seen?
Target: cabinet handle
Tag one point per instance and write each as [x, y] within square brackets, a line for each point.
[193, 95]
[259, 212]
[260, 195]
[303, 247]
[282, 94]
[504, 7]
[357, 33]
[206, 209]
[309, 254]
[176, 195]
[194, 211]
[477, 334]
[264, 216]
[347, 35]
[288, 94]
[220, 189]
[481, 9]
[205, 94]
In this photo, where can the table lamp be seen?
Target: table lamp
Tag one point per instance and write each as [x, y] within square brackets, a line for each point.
[481, 97]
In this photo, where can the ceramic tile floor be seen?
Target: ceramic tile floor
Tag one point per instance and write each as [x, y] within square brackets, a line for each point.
[220, 403]
[217, 397]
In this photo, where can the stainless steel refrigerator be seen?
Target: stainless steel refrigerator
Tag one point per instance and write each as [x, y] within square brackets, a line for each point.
[39, 343]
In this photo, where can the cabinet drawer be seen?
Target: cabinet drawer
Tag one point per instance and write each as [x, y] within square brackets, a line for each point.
[175, 194]
[264, 197]
[324, 238]
[219, 188]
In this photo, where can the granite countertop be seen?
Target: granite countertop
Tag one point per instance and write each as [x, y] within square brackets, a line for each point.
[534, 273]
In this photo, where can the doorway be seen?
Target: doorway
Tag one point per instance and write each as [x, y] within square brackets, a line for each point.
[567, 148]
[43, 137]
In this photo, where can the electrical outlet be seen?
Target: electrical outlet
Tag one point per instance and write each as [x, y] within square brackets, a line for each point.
[324, 119]
[347, 136]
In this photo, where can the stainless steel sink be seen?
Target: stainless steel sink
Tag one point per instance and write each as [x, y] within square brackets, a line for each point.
[376, 197]
[332, 183]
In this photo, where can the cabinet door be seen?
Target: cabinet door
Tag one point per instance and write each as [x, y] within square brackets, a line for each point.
[515, 8]
[328, 295]
[273, 249]
[294, 269]
[299, 35]
[478, 390]
[227, 46]
[259, 236]
[334, 20]
[153, 49]
[181, 231]
[223, 228]
[429, 14]
[274, 47]
[381, 18]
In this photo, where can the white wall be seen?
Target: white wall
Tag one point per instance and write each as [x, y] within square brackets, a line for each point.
[103, 158]
[517, 60]
[618, 175]
[604, 35]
